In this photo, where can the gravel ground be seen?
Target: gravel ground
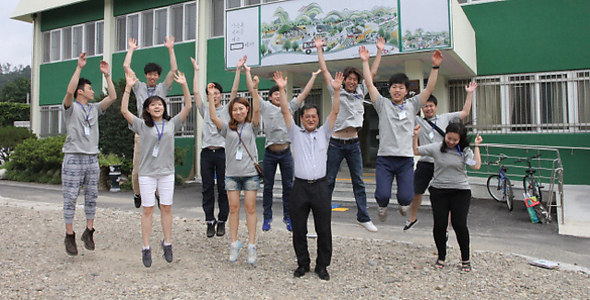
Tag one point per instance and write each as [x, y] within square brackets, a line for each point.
[34, 265]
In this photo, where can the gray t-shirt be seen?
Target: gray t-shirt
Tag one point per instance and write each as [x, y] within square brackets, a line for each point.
[142, 92]
[163, 163]
[396, 126]
[351, 107]
[275, 128]
[450, 170]
[210, 134]
[429, 135]
[310, 151]
[244, 166]
[82, 128]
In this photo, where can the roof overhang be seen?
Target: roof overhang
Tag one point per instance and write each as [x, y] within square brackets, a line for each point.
[26, 8]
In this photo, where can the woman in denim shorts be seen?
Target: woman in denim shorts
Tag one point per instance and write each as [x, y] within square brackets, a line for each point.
[240, 173]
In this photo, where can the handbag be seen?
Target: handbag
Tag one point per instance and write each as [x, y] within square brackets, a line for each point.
[256, 164]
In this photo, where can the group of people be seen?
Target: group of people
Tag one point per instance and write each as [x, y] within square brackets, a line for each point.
[309, 156]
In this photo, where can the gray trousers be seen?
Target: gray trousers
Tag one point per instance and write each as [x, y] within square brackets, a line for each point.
[79, 170]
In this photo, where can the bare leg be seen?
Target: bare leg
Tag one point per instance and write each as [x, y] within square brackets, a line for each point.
[166, 211]
[233, 197]
[251, 219]
[146, 225]
[70, 229]
[415, 206]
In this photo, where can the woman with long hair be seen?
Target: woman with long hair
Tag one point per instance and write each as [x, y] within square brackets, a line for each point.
[156, 167]
[240, 156]
[449, 189]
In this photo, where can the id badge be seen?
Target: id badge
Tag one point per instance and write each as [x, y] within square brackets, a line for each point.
[239, 154]
[156, 151]
[402, 115]
[431, 135]
[86, 130]
[471, 162]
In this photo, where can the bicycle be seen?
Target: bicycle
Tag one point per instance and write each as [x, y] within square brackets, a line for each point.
[532, 186]
[499, 185]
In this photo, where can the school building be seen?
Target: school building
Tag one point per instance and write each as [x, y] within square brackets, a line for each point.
[529, 57]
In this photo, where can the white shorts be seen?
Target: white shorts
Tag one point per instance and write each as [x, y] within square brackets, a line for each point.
[148, 185]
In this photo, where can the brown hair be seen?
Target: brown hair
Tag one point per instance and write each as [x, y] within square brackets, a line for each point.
[146, 115]
[233, 124]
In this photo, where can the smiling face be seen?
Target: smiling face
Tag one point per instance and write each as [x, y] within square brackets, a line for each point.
[398, 92]
[452, 139]
[275, 98]
[351, 82]
[152, 78]
[239, 112]
[156, 109]
[310, 119]
[429, 109]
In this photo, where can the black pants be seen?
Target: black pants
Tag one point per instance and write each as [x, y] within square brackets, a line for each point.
[457, 202]
[213, 163]
[307, 196]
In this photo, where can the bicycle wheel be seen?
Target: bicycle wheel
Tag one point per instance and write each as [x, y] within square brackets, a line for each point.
[531, 187]
[494, 187]
[508, 194]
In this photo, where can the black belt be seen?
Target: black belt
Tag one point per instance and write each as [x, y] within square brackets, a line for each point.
[278, 152]
[311, 181]
[344, 142]
[214, 150]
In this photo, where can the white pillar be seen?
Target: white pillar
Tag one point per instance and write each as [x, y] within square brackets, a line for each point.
[108, 38]
[203, 26]
[35, 72]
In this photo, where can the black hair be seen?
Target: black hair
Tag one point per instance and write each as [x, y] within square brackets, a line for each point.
[81, 83]
[352, 70]
[217, 86]
[433, 100]
[459, 129]
[272, 90]
[307, 106]
[398, 78]
[151, 67]
[146, 115]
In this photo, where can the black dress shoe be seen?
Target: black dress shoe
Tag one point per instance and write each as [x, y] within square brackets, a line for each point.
[322, 273]
[210, 229]
[301, 271]
[220, 228]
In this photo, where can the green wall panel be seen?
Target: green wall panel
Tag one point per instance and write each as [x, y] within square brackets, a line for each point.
[186, 143]
[129, 6]
[73, 14]
[575, 162]
[217, 73]
[159, 55]
[56, 76]
[521, 36]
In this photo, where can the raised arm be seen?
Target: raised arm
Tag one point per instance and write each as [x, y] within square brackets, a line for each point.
[73, 85]
[336, 85]
[436, 60]
[308, 87]
[132, 46]
[476, 154]
[131, 80]
[188, 104]
[380, 46]
[236, 85]
[282, 83]
[373, 91]
[212, 113]
[170, 77]
[415, 139]
[198, 99]
[112, 93]
[253, 89]
[467, 106]
[319, 44]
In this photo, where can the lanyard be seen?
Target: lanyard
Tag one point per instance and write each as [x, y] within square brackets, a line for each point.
[434, 123]
[153, 91]
[240, 133]
[459, 150]
[401, 107]
[158, 131]
[87, 114]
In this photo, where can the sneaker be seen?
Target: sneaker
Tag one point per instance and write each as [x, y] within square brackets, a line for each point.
[287, 222]
[252, 256]
[220, 228]
[146, 257]
[137, 201]
[88, 239]
[368, 226]
[403, 210]
[382, 213]
[167, 252]
[234, 248]
[266, 224]
[409, 224]
[210, 229]
[70, 243]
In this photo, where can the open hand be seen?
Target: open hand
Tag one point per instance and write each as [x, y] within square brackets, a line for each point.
[279, 80]
[337, 82]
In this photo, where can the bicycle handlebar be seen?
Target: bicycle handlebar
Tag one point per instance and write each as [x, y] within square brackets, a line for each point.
[527, 159]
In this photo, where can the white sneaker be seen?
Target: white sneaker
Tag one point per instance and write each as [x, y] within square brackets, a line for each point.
[368, 226]
[382, 213]
[234, 248]
[403, 210]
[252, 256]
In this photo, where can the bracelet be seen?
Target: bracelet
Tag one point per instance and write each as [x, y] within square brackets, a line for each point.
[107, 75]
[436, 67]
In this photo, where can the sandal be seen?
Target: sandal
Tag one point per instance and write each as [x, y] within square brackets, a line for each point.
[466, 266]
[439, 264]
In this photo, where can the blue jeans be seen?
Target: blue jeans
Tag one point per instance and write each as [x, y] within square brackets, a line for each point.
[213, 163]
[352, 153]
[386, 167]
[269, 166]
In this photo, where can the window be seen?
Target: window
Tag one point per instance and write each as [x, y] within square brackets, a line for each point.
[46, 46]
[553, 96]
[69, 42]
[90, 39]
[66, 38]
[99, 37]
[132, 27]
[55, 45]
[147, 27]
[121, 33]
[175, 105]
[582, 87]
[52, 123]
[176, 23]
[77, 41]
[521, 105]
[233, 3]
[160, 29]
[190, 21]
[217, 22]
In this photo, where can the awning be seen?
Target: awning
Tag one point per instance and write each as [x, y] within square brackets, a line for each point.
[26, 8]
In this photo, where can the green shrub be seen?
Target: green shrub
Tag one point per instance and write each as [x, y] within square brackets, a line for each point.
[105, 160]
[36, 156]
[10, 112]
[10, 137]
